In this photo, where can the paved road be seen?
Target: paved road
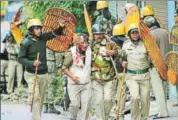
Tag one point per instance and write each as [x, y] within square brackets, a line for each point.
[22, 112]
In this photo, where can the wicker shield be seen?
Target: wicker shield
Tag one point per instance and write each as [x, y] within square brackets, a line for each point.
[174, 35]
[153, 50]
[16, 32]
[53, 18]
[172, 62]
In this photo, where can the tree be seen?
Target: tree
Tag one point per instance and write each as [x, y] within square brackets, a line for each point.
[37, 9]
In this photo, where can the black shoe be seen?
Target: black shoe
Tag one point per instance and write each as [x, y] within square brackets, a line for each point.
[159, 117]
[45, 108]
[52, 109]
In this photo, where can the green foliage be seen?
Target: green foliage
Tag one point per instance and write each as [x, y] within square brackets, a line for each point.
[37, 9]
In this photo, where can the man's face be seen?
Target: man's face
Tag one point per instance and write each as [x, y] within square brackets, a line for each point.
[37, 30]
[10, 38]
[83, 45]
[134, 35]
[98, 36]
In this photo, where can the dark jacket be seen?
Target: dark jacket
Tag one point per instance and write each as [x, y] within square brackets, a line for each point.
[29, 49]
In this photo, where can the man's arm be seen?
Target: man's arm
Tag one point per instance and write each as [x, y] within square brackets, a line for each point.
[67, 64]
[52, 34]
[22, 56]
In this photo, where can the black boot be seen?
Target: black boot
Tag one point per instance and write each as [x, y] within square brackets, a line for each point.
[52, 109]
[45, 109]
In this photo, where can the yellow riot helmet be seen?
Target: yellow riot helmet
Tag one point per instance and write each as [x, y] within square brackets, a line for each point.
[34, 22]
[132, 27]
[118, 29]
[148, 11]
[101, 5]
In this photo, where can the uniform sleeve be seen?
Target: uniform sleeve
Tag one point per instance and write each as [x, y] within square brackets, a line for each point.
[52, 34]
[117, 49]
[124, 56]
[22, 56]
[67, 60]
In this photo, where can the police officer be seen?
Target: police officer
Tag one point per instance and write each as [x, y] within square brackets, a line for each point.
[102, 72]
[159, 86]
[119, 38]
[51, 90]
[137, 77]
[104, 18]
[148, 10]
[77, 66]
[14, 67]
[33, 43]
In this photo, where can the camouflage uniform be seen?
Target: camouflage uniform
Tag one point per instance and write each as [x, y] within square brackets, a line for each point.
[53, 62]
[102, 78]
[13, 66]
[106, 24]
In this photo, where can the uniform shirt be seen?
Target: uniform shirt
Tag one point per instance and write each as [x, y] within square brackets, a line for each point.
[102, 66]
[161, 38]
[12, 50]
[136, 55]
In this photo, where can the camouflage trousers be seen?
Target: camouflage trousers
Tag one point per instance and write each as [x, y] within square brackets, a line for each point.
[50, 92]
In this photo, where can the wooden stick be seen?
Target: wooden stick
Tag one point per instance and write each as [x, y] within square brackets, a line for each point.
[34, 85]
[121, 92]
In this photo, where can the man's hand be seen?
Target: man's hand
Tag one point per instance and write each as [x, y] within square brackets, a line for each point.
[124, 64]
[75, 79]
[61, 25]
[110, 52]
[36, 63]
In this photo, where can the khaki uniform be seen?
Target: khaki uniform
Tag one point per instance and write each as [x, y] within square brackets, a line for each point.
[160, 86]
[14, 66]
[102, 78]
[79, 93]
[41, 84]
[138, 79]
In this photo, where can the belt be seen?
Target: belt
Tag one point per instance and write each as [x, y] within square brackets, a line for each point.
[137, 71]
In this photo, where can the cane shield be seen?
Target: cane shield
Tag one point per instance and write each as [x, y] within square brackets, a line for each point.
[153, 50]
[53, 18]
[172, 62]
